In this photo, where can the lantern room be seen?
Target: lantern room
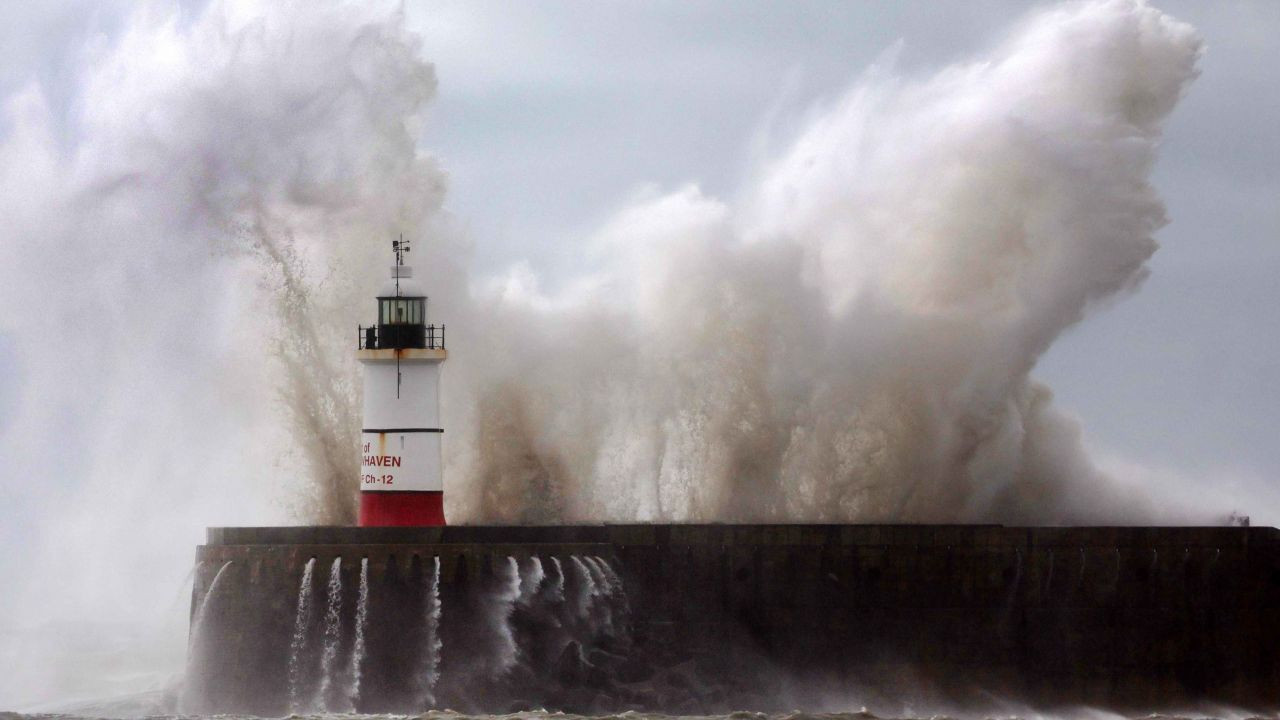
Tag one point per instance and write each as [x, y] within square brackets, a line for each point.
[401, 323]
[402, 318]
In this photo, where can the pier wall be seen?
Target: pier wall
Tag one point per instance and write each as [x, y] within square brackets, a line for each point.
[723, 617]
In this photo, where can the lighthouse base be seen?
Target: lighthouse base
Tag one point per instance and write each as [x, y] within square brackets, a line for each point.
[401, 509]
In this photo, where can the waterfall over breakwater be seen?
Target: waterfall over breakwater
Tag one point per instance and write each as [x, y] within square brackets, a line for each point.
[602, 593]
[507, 650]
[362, 622]
[559, 582]
[615, 582]
[586, 588]
[332, 637]
[297, 648]
[533, 622]
[430, 673]
[197, 625]
[192, 693]
[532, 580]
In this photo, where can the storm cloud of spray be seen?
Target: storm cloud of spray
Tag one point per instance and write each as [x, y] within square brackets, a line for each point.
[850, 338]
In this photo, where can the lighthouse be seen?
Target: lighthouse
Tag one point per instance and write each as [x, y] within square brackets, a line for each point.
[401, 480]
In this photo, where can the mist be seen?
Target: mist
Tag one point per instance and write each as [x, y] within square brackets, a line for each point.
[851, 337]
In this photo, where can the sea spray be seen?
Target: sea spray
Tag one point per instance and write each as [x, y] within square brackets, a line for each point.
[197, 663]
[332, 639]
[356, 665]
[298, 646]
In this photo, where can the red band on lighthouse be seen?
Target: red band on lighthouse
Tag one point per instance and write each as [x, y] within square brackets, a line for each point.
[400, 509]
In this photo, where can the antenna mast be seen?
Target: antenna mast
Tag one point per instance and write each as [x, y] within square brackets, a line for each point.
[399, 247]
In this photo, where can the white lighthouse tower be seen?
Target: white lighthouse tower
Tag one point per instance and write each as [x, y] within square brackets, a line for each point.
[400, 465]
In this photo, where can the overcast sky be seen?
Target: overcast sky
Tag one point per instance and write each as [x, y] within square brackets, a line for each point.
[550, 116]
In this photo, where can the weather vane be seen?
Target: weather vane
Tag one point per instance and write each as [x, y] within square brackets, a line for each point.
[400, 247]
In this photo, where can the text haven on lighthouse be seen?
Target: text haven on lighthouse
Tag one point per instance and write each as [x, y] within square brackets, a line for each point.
[401, 480]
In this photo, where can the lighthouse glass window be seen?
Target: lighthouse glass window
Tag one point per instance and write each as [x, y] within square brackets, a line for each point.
[402, 311]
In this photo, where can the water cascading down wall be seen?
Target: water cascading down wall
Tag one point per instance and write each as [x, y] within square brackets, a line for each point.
[711, 618]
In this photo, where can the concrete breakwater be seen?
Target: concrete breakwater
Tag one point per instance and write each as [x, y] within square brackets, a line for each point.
[711, 618]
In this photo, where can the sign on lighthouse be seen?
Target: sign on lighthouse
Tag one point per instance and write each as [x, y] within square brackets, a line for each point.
[401, 482]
